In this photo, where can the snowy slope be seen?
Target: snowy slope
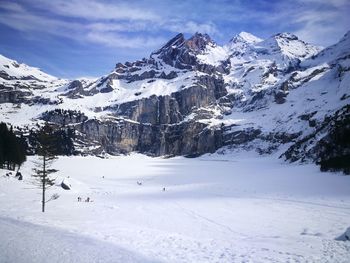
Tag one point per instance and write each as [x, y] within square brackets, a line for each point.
[338, 51]
[25, 92]
[288, 45]
[218, 208]
[238, 45]
[27, 242]
[21, 76]
[15, 70]
[246, 37]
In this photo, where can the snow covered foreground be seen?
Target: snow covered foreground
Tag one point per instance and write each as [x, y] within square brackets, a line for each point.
[214, 209]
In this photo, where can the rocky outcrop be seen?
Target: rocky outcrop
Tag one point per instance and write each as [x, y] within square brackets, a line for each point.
[328, 145]
[173, 108]
[75, 90]
[181, 53]
[239, 136]
[20, 94]
[155, 125]
[10, 95]
[63, 117]
[122, 136]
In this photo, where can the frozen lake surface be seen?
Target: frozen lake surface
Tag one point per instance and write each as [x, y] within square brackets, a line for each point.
[215, 208]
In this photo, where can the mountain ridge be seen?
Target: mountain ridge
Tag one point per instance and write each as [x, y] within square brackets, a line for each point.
[193, 96]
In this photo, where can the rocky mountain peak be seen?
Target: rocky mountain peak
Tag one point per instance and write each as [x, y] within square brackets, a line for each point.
[198, 42]
[289, 46]
[285, 35]
[175, 42]
[181, 53]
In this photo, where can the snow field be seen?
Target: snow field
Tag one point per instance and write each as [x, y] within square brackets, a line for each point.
[231, 208]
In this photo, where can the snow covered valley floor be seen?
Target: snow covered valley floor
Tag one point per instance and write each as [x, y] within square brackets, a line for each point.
[214, 209]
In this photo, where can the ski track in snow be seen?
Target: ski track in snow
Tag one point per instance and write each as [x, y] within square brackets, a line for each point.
[215, 209]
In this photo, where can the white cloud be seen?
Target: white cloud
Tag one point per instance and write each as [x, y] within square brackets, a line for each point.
[322, 25]
[122, 26]
[320, 22]
[335, 3]
[10, 6]
[118, 23]
[191, 27]
[25, 22]
[92, 9]
[122, 41]
[106, 31]
[107, 34]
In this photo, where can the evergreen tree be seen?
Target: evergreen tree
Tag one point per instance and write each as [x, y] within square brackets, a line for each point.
[46, 150]
[12, 148]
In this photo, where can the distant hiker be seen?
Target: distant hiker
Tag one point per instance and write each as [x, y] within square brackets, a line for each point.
[79, 199]
[19, 175]
[103, 177]
[163, 189]
[87, 200]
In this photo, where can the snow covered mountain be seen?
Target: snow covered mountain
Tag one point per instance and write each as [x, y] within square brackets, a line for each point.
[193, 96]
[12, 70]
[20, 83]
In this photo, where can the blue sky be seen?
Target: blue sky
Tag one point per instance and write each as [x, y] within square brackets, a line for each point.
[88, 37]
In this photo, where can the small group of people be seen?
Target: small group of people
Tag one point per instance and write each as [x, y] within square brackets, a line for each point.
[140, 183]
[18, 175]
[87, 200]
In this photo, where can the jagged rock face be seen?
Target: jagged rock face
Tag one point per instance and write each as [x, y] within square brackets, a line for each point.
[20, 94]
[64, 117]
[168, 63]
[174, 107]
[153, 110]
[336, 143]
[75, 89]
[9, 95]
[188, 138]
[181, 53]
[170, 52]
[199, 42]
